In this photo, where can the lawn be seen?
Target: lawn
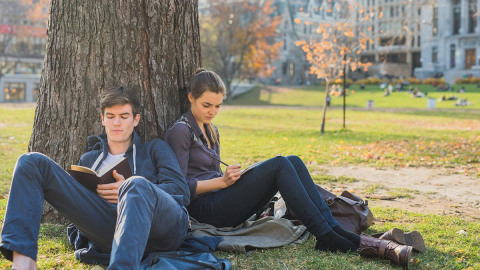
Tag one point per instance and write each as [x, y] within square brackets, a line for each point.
[315, 95]
[448, 140]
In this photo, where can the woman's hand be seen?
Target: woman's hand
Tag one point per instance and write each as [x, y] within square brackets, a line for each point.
[232, 174]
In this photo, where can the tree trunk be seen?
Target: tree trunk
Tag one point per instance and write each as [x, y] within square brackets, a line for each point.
[322, 128]
[151, 46]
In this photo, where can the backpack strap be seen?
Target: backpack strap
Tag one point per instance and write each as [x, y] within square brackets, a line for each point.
[184, 120]
[193, 138]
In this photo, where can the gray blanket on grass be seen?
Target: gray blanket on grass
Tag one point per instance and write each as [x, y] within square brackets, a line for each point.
[266, 232]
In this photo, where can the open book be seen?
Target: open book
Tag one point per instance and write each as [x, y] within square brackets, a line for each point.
[90, 179]
[251, 167]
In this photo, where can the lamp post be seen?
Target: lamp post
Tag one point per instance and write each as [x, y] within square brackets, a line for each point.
[344, 87]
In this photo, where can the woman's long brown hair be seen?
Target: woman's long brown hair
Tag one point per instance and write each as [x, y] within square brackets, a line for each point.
[206, 80]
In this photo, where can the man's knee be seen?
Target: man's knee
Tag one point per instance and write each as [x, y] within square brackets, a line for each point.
[31, 158]
[134, 183]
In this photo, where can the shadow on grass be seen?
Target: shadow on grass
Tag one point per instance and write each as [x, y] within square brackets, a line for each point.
[470, 115]
[348, 135]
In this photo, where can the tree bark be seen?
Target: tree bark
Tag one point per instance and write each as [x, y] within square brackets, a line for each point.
[151, 46]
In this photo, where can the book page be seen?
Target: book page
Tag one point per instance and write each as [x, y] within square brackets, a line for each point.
[110, 166]
[82, 169]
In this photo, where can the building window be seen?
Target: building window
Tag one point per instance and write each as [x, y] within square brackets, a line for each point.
[457, 17]
[452, 55]
[419, 41]
[435, 54]
[367, 59]
[14, 92]
[472, 16]
[435, 22]
[36, 90]
[284, 68]
[291, 69]
[397, 58]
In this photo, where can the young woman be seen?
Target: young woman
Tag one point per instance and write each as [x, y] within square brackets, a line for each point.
[226, 200]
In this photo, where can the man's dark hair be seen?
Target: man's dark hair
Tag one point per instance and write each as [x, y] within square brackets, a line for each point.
[120, 95]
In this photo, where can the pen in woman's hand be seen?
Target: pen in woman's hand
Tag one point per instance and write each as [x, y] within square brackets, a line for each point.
[220, 161]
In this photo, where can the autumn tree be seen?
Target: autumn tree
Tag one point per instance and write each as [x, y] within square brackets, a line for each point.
[238, 39]
[151, 46]
[333, 48]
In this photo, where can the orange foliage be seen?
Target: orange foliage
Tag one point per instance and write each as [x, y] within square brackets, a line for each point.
[338, 46]
[38, 10]
[239, 37]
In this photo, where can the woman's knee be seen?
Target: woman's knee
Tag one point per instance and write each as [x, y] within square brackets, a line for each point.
[294, 159]
[281, 160]
[282, 163]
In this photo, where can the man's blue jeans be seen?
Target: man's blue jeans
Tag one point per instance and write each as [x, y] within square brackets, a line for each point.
[146, 219]
[231, 206]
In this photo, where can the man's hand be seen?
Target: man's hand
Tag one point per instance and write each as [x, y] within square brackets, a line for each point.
[232, 174]
[110, 191]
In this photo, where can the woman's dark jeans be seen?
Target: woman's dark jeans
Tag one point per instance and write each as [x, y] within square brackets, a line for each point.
[233, 205]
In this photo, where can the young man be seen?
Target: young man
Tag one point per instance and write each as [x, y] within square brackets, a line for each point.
[144, 213]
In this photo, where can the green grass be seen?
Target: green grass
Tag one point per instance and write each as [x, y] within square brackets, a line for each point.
[315, 96]
[446, 249]
[15, 128]
[372, 189]
[447, 140]
[386, 139]
[403, 192]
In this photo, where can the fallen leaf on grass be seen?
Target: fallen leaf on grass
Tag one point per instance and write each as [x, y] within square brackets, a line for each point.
[462, 232]
[469, 268]
[415, 261]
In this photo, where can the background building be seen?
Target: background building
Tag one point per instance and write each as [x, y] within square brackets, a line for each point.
[395, 28]
[451, 43]
[300, 19]
[22, 48]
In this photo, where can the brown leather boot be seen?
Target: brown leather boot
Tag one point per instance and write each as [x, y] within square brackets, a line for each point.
[413, 239]
[396, 253]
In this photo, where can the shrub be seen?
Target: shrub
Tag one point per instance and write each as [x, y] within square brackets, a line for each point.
[433, 81]
[471, 80]
[369, 81]
[413, 80]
